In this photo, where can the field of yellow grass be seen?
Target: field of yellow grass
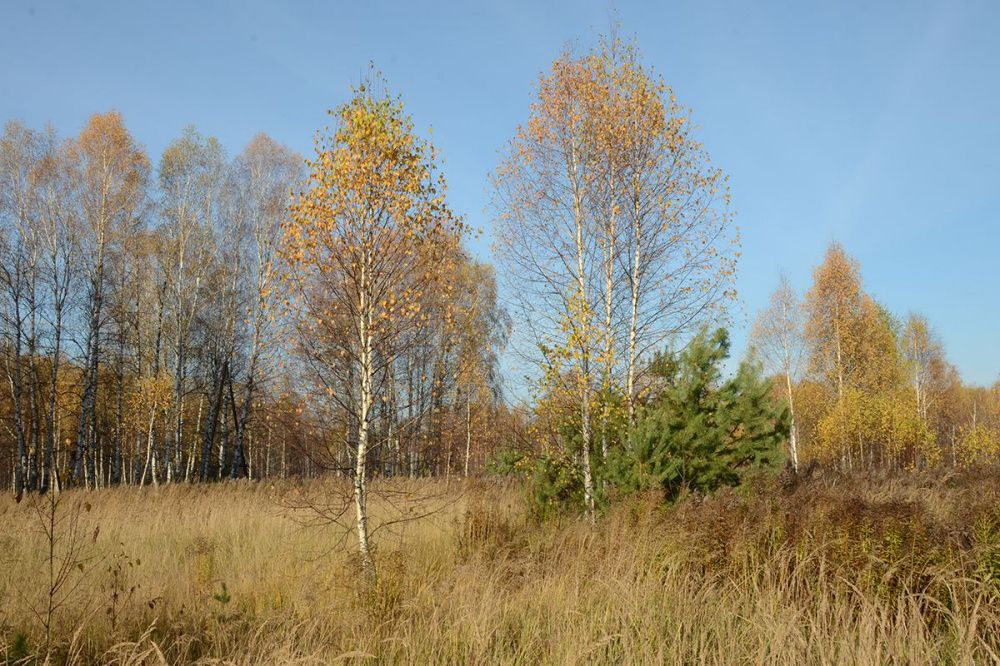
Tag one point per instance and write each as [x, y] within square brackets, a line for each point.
[820, 572]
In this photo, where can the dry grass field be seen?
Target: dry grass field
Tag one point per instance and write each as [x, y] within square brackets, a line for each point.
[897, 571]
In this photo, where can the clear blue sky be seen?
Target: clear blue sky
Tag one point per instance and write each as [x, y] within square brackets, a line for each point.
[873, 123]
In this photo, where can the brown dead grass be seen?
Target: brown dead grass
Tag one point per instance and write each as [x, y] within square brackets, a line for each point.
[822, 571]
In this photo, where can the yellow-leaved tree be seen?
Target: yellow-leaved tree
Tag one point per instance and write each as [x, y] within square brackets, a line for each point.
[364, 244]
[876, 415]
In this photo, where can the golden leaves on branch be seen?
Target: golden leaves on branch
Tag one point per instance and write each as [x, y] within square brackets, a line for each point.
[370, 239]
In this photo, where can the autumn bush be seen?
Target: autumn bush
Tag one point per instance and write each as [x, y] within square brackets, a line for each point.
[815, 568]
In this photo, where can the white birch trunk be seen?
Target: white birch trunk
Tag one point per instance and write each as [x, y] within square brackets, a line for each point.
[364, 409]
[634, 317]
[588, 480]
[468, 431]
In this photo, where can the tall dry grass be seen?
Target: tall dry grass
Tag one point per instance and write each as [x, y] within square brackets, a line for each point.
[821, 572]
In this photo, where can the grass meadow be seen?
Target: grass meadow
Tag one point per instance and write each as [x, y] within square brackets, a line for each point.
[901, 570]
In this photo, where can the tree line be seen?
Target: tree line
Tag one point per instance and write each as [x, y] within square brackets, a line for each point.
[148, 330]
[867, 389]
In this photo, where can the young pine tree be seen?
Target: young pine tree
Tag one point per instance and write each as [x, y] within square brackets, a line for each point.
[698, 431]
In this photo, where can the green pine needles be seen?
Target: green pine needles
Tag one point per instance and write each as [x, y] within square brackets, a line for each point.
[696, 431]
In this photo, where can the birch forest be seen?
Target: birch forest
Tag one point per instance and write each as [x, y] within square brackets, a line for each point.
[150, 336]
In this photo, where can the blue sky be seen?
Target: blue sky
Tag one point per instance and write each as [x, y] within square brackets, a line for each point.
[876, 124]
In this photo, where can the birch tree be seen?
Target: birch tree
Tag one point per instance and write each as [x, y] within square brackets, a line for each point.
[20, 265]
[58, 227]
[111, 171]
[546, 240]
[851, 338]
[925, 360]
[482, 329]
[364, 243]
[191, 172]
[777, 339]
[679, 261]
[259, 189]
